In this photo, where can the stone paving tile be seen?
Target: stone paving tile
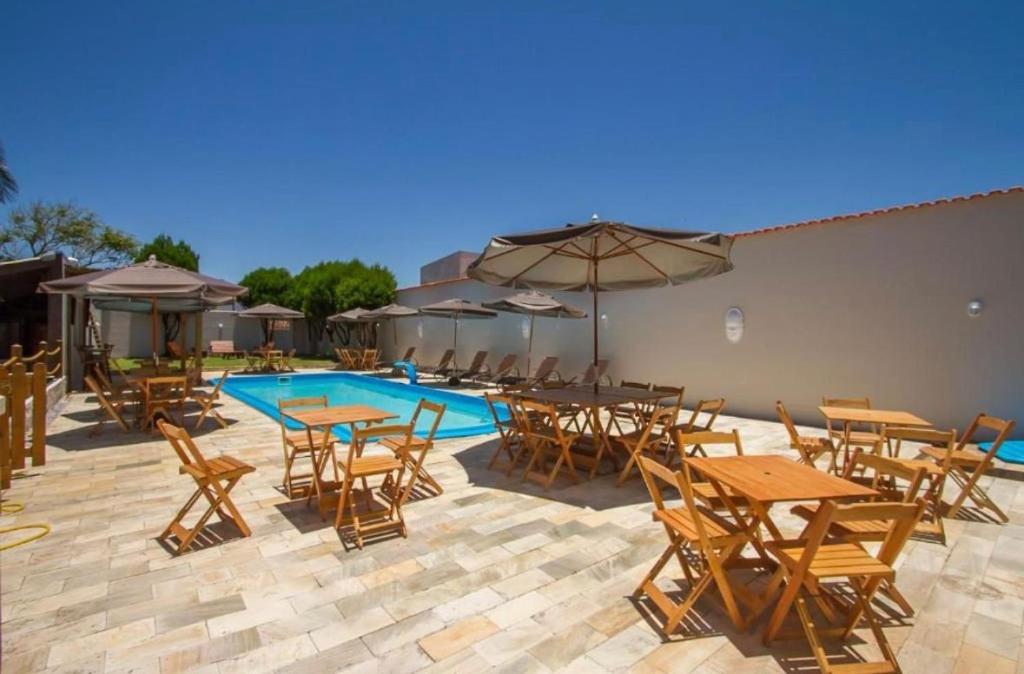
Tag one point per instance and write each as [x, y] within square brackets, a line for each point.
[495, 574]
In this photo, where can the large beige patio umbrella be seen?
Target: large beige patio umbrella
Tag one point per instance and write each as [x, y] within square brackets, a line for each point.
[601, 256]
[148, 287]
[533, 304]
[267, 313]
[391, 312]
[456, 309]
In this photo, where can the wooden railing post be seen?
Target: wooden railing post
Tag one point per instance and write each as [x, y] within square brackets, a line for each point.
[39, 414]
[17, 413]
[5, 431]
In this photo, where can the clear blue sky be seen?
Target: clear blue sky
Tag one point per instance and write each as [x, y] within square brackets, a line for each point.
[283, 133]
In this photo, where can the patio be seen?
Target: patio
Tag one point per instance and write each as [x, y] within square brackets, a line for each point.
[495, 573]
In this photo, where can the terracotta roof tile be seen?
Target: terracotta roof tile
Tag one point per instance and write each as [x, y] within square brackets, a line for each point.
[879, 211]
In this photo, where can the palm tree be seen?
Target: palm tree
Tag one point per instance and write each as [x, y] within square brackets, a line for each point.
[8, 185]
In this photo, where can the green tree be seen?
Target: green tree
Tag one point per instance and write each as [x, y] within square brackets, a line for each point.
[269, 285]
[8, 185]
[179, 254]
[329, 287]
[48, 228]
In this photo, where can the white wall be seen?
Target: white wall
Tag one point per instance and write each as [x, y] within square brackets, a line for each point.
[873, 306]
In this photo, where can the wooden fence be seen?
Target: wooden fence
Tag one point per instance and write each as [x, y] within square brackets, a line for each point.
[24, 379]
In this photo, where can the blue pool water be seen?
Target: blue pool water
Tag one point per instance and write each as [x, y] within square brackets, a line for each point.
[464, 416]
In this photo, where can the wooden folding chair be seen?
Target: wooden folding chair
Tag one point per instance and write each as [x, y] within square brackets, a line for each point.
[297, 443]
[214, 478]
[811, 448]
[369, 359]
[870, 438]
[370, 520]
[710, 407]
[651, 439]
[286, 361]
[699, 539]
[417, 446]
[811, 565]
[705, 492]
[111, 406]
[511, 443]
[207, 401]
[546, 440]
[966, 466]
[630, 412]
[162, 396]
[941, 443]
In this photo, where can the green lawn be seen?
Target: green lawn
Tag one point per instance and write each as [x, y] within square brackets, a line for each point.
[222, 363]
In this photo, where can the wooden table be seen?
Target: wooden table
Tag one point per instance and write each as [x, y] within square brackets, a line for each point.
[324, 419]
[591, 402]
[859, 415]
[763, 481]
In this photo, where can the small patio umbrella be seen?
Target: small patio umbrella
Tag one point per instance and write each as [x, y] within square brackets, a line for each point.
[392, 311]
[266, 313]
[457, 309]
[357, 315]
[533, 304]
[148, 287]
[600, 256]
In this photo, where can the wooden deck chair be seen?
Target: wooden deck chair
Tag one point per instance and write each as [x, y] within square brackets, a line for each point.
[443, 365]
[476, 367]
[811, 448]
[942, 444]
[413, 451]
[207, 401]
[368, 520]
[511, 443]
[214, 478]
[126, 387]
[966, 465]
[418, 446]
[111, 406]
[705, 492]
[592, 374]
[286, 361]
[710, 407]
[868, 436]
[499, 374]
[810, 564]
[699, 539]
[369, 359]
[630, 412]
[163, 396]
[651, 439]
[295, 444]
[548, 442]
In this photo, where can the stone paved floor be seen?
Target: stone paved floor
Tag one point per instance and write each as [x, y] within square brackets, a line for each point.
[495, 574]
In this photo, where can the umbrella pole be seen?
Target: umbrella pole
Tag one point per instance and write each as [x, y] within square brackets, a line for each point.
[153, 326]
[529, 348]
[455, 345]
[597, 319]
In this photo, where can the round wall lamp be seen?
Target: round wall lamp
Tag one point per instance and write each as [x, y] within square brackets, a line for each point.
[734, 324]
[974, 308]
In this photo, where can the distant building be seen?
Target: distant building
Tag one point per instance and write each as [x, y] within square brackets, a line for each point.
[26, 316]
[447, 268]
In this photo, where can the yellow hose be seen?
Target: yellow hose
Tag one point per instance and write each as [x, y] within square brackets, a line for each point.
[11, 508]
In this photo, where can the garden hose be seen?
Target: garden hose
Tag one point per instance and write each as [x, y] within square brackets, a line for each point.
[10, 508]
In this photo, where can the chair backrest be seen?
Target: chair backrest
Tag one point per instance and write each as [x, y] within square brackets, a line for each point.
[101, 377]
[446, 358]
[903, 517]
[546, 367]
[927, 436]
[505, 366]
[706, 438]
[369, 359]
[853, 403]
[220, 384]
[543, 424]
[292, 403]
[1001, 427]
[360, 436]
[167, 387]
[657, 417]
[592, 374]
[655, 473]
[183, 446]
[787, 421]
[885, 475]
[493, 400]
[635, 384]
[478, 362]
[104, 401]
[711, 407]
[417, 458]
[673, 392]
[408, 354]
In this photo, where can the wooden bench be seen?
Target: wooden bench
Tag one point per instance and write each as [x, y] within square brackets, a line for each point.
[224, 347]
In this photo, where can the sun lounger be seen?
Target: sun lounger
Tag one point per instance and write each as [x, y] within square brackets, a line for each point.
[544, 372]
[443, 366]
[506, 370]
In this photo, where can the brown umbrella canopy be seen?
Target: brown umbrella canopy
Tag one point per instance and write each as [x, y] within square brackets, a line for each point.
[138, 286]
[391, 311]
[457, 309]
[357, 315]
[535, 304]
[270, 312]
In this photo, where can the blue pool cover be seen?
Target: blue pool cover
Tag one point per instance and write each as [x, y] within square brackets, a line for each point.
[465, 415]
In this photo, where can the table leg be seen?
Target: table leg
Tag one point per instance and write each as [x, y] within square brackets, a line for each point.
[601, 442]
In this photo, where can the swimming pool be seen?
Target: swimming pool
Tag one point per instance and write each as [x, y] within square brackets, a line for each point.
[464, 416]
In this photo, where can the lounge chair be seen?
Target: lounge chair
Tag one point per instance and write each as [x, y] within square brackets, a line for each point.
[476, 367]
[501, 373]
[544, 372]
[443, 366]
[591, 375]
